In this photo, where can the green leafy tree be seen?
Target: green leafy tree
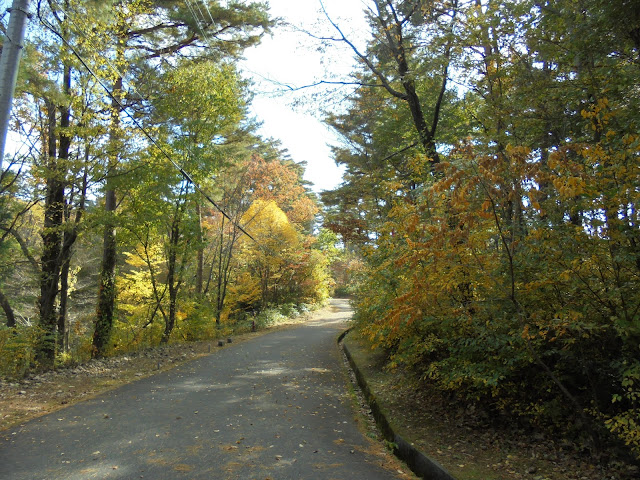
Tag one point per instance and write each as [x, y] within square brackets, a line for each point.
[145, 32]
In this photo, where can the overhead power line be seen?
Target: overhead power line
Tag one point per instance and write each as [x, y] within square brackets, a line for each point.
[198, 16]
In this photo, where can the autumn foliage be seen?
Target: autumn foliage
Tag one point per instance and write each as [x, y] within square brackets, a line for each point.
[253, 258]
[530, 310]
[505, 271]
[139, 180]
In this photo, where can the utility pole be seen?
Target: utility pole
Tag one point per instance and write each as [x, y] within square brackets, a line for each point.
[9, 62]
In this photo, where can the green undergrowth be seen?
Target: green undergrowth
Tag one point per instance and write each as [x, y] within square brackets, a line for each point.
[18, 346]
[466, 441]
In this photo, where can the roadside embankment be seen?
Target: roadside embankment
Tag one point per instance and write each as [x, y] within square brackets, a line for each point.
[441, 438]
[421, 464]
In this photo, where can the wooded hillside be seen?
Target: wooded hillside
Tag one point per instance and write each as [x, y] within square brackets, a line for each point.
[492, 187]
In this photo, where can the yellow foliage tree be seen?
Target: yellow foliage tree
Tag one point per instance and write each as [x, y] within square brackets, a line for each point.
[273, 257]
[140, 297]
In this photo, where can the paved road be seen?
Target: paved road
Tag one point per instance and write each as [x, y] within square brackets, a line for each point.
[270, 408]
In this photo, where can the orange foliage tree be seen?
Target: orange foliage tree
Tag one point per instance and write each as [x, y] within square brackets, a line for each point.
[534, 316]
[509, 273]
[281, 182]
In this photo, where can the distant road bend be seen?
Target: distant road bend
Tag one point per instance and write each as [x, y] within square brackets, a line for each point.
[273, 407]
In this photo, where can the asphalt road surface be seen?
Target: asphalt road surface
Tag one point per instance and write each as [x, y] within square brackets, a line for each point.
[274, 407]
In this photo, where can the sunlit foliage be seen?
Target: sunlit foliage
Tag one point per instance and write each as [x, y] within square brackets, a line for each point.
[508, 274]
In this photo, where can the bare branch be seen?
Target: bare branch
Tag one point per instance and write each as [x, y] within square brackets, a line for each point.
[385, 82]
[443, 88]
[402, 150]
[317, 37]
[172, 48]
[154, 28]
[330, 82]
[393, 12]
[23, 245]
[445, 75]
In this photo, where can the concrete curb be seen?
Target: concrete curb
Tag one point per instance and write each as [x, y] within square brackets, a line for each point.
[418, 462]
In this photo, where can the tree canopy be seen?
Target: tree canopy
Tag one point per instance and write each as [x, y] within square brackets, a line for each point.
[128, 213]
[505, 267]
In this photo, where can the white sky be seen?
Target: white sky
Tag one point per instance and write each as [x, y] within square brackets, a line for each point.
[292, 58]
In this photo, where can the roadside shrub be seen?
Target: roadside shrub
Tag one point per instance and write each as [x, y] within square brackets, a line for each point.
[132, 333]
[288, 310]
[268, 317]
[303, 308]
[17, 350]
[195, 322]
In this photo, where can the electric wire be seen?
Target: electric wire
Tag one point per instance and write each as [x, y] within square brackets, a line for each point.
[206, 6]
[200, 20]
[140, 127]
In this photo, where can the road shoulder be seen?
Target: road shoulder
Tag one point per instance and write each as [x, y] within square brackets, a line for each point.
[364, 365]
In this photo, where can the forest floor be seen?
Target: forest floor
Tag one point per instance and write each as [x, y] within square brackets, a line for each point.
[466, 441]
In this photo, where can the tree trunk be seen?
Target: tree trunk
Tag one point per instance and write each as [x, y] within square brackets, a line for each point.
[62, 311]
[51, 248]
[397, 44]
[200, 253]
[219, 279]
[107, 288]
[172, 282]
[224, 269]
[226, 273]
[426, 136]
[70, 237]
[8, 311]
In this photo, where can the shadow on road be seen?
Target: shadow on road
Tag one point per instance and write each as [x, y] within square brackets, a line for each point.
[272, 407]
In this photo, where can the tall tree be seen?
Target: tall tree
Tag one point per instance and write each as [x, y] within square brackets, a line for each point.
[57, 243]
[403, 31]
[169, 29]
[487, 281]
[281, 181]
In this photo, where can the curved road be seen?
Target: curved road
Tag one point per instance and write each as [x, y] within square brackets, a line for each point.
[273, 407]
